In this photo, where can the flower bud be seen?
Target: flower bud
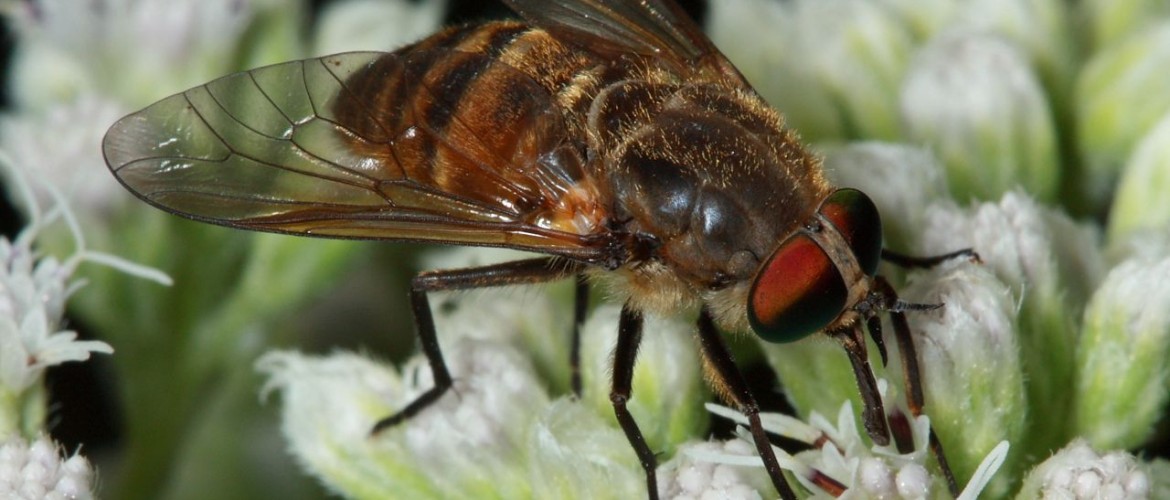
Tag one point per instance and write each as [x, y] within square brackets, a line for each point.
[375, 24]
[975, 99]
[696, 472]
[536, 319]
[1049, 264]
[1140, 201]
[900, 180]
[1120, 96]
[36, 469]
[1122, 356]
[832, 66]
[1111, 21]
[970, 364]
[476, 430]
[574, 453]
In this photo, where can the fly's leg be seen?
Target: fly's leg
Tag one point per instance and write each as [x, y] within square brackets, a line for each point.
[732, 382]
[873, 413]
[625, 354]
[521, 272]
[902, 335]
[910, 370]
[580, 307]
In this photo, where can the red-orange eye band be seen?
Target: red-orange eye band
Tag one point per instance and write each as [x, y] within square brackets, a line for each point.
[797, 292]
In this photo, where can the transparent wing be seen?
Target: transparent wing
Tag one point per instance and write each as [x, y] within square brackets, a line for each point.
[650, 28]
[356, 145]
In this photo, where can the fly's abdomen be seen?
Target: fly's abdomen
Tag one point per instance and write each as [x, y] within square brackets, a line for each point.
[477, 113]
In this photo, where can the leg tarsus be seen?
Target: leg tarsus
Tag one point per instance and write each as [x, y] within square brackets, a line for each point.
[519, 272]
[937, 448]
[429, 342]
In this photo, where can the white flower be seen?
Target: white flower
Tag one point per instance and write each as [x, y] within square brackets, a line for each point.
[36, 471]
[32, 305]
[138, 50]
[840, 457]
[696, 472]
[1077, 472]
[33, 291]
[61, 146]
[375, 24]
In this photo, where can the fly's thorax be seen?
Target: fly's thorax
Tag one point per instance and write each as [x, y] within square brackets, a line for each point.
[707, 171]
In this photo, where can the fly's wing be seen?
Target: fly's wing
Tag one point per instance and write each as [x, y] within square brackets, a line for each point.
[650, 28]
[361, 145]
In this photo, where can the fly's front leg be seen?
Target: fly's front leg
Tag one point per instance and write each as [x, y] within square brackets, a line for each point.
[521, 272]
[910, 370]
[873, 412]
[728, 377]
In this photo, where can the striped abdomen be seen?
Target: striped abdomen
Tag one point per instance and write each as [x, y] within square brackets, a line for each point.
[487, 113]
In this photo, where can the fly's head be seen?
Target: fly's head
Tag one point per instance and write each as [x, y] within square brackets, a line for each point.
[821, 276]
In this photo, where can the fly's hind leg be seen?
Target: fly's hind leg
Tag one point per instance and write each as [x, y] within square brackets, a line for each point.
[521, 272]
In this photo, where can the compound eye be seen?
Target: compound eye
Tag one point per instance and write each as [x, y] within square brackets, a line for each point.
[857, 219]
[796, 293]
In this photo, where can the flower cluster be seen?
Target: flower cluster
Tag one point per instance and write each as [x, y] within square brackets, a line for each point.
[505, 429]
[838, 456]
[33, 292]
[36, 471]
[1033, 131]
